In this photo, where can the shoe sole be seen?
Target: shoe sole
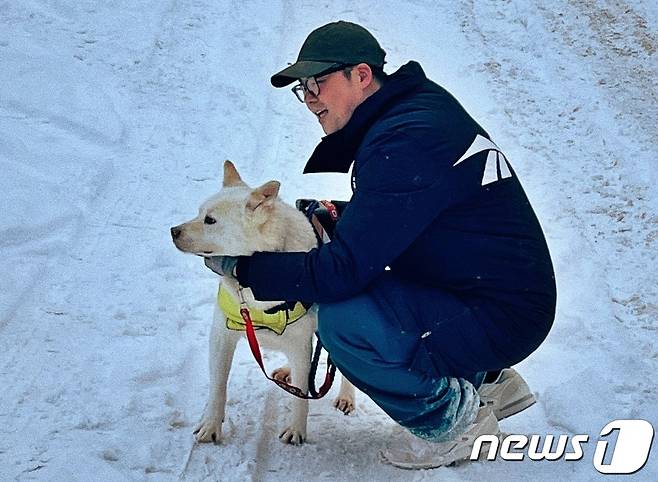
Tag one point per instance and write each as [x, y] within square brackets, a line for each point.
[458, 454]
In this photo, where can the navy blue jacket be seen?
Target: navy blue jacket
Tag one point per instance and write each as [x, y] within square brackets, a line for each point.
[444, 228]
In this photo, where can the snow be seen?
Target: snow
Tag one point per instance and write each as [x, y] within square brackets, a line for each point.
[114, 120]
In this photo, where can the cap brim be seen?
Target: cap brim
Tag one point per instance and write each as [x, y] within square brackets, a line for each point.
[298, 70]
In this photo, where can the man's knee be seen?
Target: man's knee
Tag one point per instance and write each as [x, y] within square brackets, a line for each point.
[342, 322]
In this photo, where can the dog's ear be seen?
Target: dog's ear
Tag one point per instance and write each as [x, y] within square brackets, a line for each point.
[263, 196]
[231, 176]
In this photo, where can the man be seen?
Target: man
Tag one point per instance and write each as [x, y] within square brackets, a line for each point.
[438, 277]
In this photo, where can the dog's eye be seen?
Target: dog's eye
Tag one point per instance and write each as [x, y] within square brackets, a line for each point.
[209, 220]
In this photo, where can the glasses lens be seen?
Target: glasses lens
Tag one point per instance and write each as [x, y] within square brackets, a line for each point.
[313, 87]
[298, 90]
[309, 85]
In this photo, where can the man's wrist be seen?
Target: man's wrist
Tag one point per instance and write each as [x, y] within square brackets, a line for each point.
[234, 266]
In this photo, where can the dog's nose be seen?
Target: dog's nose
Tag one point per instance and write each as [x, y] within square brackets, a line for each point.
[175, 232]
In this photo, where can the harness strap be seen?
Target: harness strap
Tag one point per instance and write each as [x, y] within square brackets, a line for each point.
[275, 319]
[288, 306]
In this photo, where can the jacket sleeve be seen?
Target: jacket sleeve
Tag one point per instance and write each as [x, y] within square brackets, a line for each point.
[401, 188]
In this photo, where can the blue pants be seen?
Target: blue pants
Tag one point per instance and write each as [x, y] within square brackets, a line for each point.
[382, 360]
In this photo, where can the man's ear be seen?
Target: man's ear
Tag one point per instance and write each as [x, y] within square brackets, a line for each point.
[365, 74]
[231, 176]
[263, 196]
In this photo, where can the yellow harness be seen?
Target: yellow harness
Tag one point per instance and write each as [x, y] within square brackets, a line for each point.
[276, 321]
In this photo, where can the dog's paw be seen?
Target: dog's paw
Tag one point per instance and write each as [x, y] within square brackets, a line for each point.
[282, 374]
[345, 403]
[292, 436]
[208, 430]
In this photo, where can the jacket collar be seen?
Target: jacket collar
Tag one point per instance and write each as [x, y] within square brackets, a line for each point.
[336, 152]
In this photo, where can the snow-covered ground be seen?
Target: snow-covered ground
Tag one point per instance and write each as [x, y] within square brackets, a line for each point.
[114, 120]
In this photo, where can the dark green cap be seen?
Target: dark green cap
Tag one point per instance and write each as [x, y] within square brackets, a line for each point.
[329, 47]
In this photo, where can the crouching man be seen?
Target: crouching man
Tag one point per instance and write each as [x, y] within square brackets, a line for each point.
[438, 278]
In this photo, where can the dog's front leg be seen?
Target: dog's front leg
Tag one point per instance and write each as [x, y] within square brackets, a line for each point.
[300, 364]
[222, 346]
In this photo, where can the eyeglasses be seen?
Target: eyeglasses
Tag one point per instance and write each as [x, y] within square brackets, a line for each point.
[312, 84]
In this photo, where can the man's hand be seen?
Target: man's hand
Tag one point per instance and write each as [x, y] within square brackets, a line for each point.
[222, 265]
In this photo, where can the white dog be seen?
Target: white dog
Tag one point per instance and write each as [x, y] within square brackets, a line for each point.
[237, 221]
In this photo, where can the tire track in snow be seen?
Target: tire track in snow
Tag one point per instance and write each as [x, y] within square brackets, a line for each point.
[70, 126]
[267, 151]
[625, 43]
[265, 436]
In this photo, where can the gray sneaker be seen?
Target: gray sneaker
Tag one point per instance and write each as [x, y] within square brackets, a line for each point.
[415, 453]
[507, 395]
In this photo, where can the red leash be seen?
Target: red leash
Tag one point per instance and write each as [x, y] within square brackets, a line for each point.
[296, 391]
[253, 342]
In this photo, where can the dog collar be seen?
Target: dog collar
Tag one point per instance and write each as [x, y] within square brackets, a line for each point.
[275, 319]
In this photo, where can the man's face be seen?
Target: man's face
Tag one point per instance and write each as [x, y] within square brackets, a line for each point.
[339, 97]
